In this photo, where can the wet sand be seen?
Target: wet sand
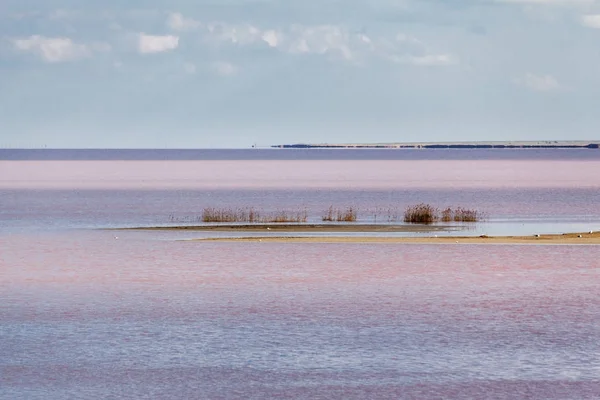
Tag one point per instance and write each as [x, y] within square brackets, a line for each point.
[309, 228]
[568, 238]
[288, 231]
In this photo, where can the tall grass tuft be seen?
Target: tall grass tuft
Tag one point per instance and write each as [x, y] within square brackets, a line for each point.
[427, 214]
[347, 215]
[465, 215]
[328, 214]
[447, 215]
[227, 215]
[421, 214]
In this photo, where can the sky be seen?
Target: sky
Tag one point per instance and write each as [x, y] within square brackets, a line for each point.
[237, 73]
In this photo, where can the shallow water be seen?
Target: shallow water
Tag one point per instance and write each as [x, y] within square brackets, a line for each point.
[85, 315]
[90, 316]
[508, 211]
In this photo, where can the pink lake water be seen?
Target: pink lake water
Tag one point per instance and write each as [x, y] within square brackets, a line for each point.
[85, 315]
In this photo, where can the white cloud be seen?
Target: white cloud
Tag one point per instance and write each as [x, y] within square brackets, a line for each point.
[298, 39]
[329, 40]
[539, 83]
[429, 60]
[235, 34]
[271, 37]
[433, 60]
[365, 38]
[53, 50]
[224, 68]
[323, 39]
[591, 21]
[178, 22]
[148, 44]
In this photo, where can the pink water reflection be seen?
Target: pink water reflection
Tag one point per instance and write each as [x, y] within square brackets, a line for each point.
[493, 278]
[300, 174]
[87, 315]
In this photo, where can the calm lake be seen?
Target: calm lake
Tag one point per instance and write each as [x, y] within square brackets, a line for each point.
[84, 315]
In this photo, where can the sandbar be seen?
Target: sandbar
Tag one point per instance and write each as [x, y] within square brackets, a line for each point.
[429, 234]
[566, 238]
[364, 228]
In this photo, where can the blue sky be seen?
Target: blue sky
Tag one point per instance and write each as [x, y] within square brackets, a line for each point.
[233, 73]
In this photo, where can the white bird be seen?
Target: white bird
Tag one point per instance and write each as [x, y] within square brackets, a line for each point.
[537, 235]
[116, 237]
[579, 236]
[268, 228]
[591, 232]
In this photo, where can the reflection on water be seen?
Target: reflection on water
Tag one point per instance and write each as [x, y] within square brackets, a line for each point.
[303, 174]
[93, 316]
[509, 210]
[86, 315]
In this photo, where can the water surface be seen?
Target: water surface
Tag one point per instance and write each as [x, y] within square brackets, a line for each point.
[87, 315]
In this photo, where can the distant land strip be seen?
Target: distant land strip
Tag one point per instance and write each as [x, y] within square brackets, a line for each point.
[449, 145]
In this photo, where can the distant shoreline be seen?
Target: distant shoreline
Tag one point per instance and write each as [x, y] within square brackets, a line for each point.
[449, 145]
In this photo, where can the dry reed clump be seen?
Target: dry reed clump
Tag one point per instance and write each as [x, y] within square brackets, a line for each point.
[225, 215]
[229, 215]
[427, 214]
[339, 215]
[447, 215]
[421, 214]
[465, 215]
[417, 214]
[460, 215]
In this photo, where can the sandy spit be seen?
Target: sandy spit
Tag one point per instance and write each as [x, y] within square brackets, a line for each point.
[567, 238]
[306, 228]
